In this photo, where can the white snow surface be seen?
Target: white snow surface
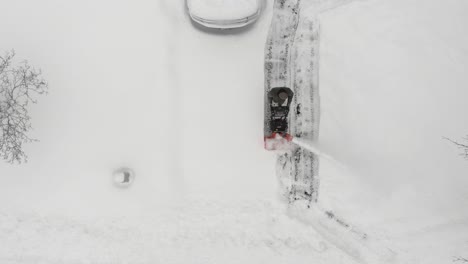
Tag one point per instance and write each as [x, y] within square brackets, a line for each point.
[224, 9]
[137, 86]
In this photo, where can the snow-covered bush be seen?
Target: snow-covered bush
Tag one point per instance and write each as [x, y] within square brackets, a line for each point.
[123, 177]
[19, 85]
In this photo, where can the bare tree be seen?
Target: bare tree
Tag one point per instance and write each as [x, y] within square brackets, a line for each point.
[462, 146]
[20, 84]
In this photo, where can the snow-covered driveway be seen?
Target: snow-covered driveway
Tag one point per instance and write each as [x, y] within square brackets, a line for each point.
[134, 84]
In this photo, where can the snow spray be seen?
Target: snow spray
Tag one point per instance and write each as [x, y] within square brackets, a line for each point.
[310, 146]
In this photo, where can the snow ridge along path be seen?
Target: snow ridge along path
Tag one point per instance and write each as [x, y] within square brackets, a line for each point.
[291, 60]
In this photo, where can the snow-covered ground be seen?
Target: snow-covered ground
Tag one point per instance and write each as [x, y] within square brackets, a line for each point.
[134, 84]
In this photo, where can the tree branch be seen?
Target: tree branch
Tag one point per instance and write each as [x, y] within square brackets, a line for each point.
[462, 146]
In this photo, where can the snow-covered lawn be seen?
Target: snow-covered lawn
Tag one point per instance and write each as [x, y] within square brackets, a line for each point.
[134, 84]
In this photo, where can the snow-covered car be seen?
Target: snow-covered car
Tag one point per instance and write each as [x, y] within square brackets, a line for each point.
[224, 14]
